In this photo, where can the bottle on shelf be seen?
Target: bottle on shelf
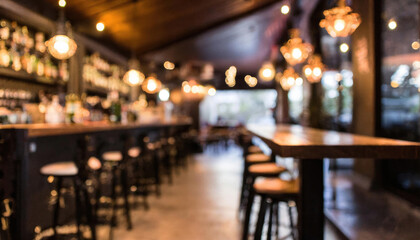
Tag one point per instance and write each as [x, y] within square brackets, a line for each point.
[4, 55]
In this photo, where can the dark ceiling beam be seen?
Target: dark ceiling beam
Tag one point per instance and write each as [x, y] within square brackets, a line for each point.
[197, 32]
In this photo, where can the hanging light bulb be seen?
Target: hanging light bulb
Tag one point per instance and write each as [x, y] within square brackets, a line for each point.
[314, 69]
[211, 91]
[61, 45]
[251, 81]
[151, 85]
[288, 79]
[164, 95]
[267, 72]
[340, 21]
[295, 51]
[133, 76]
[230, 76]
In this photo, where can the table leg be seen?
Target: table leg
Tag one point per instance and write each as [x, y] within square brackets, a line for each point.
[311, 200]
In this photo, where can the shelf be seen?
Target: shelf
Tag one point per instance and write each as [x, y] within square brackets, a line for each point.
[21, 75]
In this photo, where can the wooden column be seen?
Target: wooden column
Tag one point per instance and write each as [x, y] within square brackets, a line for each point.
[75, 84]
[366, 76]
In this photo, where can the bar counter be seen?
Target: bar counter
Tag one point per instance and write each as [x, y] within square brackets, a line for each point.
[45, 129]
[25, 148]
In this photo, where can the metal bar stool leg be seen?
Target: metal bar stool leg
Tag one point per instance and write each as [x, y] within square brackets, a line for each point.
[261, 218]
[78, 209]
[114, 197]
[270, 220]
[125, 190]
[57, 206]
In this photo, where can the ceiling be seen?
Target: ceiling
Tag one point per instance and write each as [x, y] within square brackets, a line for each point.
[223, 32]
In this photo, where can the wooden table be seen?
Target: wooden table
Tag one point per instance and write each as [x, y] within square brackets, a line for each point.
[311, 146]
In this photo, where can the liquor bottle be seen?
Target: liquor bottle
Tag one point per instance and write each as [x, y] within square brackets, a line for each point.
[40, 42]
[26, 60]
[4, 30]
[16, 64]
[40, 67]
[115, 109]
[4, 55]
[47, 67]
[63, 71]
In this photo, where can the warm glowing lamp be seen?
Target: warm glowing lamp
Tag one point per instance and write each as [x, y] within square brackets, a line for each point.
[230, 76]
[340, 21]
[61, 45]
[288, 79]
[151, 85]
[211, 91]
[133, 77]
[267, 72]
[251, 81]
[295, 51]
[164, 95]
[314, 69]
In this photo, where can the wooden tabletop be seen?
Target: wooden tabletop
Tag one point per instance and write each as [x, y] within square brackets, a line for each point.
[309, 143]
[44, 129]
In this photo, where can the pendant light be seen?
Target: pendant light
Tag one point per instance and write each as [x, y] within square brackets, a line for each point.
[133, 76]
[267, 72]
[152, 85]
[340, 21]
[288, 79]
[314, 69]
[61, 45]
[295, 51]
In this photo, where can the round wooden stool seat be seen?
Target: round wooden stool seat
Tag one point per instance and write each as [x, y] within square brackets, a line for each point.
[254, 149]
[60, 169]
[266, 168]
[113, 156]
[257, 158]
[276, 186]
[134, 152]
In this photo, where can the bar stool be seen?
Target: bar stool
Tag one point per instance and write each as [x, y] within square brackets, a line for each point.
[269, 170]
[118, 164]
[77, 174]
[138, 187]
[274, 191]
[250, 159]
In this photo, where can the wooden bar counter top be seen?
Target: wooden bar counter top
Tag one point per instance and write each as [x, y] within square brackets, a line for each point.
[45, 129]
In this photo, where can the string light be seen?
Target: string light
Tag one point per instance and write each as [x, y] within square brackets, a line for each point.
[230, 76]
[211, 91]
[251, 81]
[169, 65]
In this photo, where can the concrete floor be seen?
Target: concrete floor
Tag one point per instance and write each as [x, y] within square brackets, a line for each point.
[200, 205]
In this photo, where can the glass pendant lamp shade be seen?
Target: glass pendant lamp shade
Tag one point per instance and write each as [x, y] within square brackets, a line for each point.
[267, 72]
[314, 69]
[288, 79]
[133, 76]
[151, 85]
[61, 45]
[340, 21]
[295, 51]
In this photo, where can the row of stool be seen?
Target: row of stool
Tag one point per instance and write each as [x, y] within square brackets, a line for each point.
[132, 170]
[262, 177]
